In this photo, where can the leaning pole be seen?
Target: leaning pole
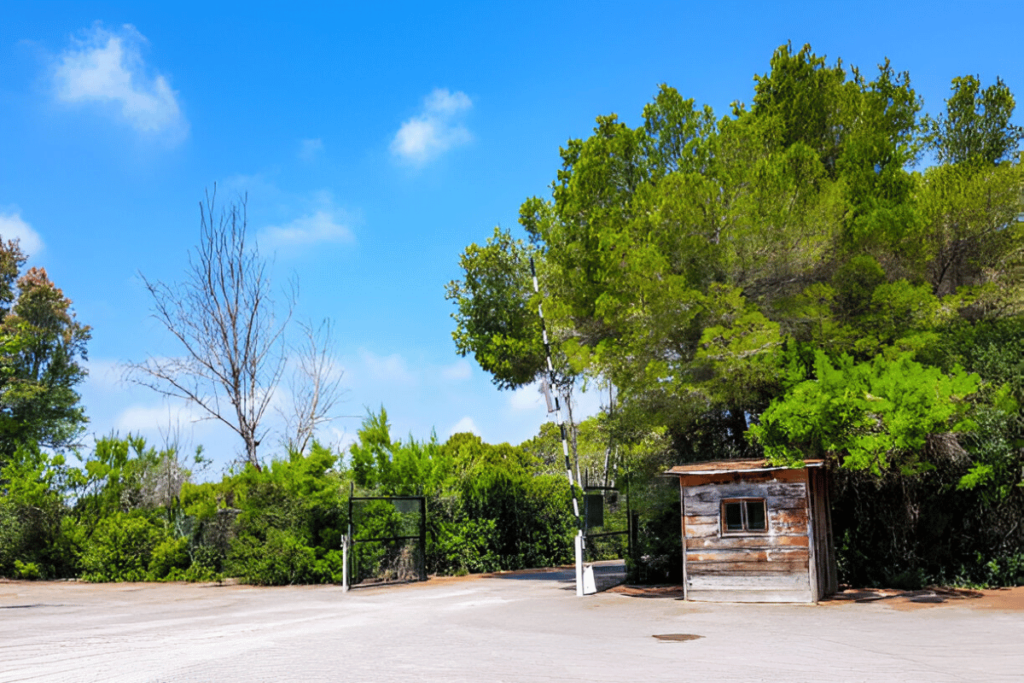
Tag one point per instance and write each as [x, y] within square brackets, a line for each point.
[578, 540]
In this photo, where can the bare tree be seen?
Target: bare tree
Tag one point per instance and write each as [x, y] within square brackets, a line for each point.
[223, 314]
[315, 386]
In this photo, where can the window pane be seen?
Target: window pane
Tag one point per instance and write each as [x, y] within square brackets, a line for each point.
[733, 517]
[755, 515]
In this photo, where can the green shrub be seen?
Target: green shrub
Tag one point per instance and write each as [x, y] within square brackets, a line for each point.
[170, 555]
[280, 560]
[466, 548]
[33, 532]
[121, 549]
[27, 570]
[329, 567]
[195, 573]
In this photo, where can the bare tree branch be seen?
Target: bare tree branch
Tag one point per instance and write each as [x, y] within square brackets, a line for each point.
[223, 314]
[315, 386]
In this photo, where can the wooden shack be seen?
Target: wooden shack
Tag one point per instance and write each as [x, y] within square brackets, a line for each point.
[756, 533]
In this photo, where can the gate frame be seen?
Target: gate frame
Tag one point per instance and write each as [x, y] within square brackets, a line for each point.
[349, 541]
[630, 525]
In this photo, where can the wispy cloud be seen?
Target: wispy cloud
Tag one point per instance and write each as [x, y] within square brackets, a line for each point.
[433, 132]
[466, 424]
[106, 67]
[310, 149]
[325, 225]
[149, 418]
[391, 369]
[457, 371]
[12, 227]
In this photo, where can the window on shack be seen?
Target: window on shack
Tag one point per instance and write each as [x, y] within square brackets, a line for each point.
[744, 516]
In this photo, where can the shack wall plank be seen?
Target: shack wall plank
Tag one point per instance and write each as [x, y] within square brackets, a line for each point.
[741, 567]
[709, 493]
[780, 523]
[750, 596]
[696, 508]
[744, 555]
[757, 542]
[702, 530]
[709, 503]
[735, 477]
[749, 582]
[692, 519]
[812, 531]
[783, 521]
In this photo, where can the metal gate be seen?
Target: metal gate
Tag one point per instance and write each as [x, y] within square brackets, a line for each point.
[608, 524]
[386, 540]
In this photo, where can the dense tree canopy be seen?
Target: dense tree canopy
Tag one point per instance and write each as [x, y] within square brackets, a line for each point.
[710, 267]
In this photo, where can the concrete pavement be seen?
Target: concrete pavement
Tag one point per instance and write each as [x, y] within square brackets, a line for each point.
[521, 627]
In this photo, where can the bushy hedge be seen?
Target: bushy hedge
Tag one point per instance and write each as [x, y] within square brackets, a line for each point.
[490, 508]
[130, 512]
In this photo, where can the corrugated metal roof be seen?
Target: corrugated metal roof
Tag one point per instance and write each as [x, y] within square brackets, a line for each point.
[729, 466]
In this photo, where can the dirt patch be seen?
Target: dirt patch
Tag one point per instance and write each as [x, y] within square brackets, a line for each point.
[1001, 599]
[1006, 599]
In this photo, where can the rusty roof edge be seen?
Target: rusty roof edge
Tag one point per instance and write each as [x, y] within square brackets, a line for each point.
[809, 463]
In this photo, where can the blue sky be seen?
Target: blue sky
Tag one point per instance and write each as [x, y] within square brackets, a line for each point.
[375, 143]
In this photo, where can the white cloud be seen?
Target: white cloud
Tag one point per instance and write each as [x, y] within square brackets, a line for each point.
[325, 225]
[310, 149]
[104, 374]
[389, 369]
[12, 227]
[106, 67]
[527, 398]
[436, 130]
[139, 419]
[466, 424]
[459, 370]
[254, 185]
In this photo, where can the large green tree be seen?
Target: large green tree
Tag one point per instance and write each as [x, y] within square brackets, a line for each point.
[699, 263]
[43, 346]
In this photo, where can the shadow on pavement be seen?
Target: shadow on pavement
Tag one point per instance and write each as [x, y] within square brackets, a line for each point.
[673, 592]
[560, 575]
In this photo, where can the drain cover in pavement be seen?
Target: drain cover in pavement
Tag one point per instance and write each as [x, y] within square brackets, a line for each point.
[676, 637]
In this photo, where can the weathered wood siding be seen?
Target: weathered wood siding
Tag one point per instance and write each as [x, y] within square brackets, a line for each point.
[824, 550]
[770, 567]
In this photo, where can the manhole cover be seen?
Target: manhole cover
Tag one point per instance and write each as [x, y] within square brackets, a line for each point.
[676, 637]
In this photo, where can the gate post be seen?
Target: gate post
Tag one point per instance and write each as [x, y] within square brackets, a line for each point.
[423, 538]
[579, 563]
[344, 563]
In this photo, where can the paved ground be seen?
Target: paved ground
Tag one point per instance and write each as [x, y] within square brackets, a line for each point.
[523, 627]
